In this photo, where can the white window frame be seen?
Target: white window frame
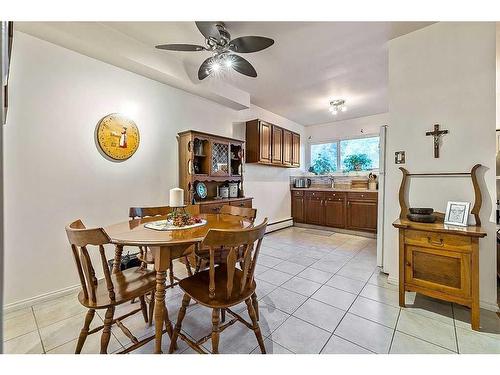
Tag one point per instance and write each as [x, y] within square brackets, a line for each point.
[338, 140]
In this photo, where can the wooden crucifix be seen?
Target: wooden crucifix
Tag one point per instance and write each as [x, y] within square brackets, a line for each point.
[436, 134]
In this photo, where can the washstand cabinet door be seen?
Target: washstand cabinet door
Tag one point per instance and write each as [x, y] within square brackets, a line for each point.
[439, 270]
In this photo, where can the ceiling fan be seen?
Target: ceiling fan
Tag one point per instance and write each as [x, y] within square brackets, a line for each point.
[218, 41]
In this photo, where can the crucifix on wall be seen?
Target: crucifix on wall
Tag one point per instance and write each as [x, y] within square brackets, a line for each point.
[436, 134]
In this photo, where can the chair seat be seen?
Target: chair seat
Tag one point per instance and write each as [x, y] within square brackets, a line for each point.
[196, 287]
[128, 284]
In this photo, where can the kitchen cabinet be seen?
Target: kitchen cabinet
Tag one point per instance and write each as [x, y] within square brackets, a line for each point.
[349, 210]
[287, 147]
[270, 144]
[295, 150]
[298, 206]
[277, 145]
[335, 210]
[314, 209]
[362, 212]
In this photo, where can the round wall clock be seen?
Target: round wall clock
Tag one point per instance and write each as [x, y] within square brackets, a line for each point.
[117, 136]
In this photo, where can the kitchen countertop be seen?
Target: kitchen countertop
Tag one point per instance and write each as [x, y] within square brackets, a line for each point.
[333, 189]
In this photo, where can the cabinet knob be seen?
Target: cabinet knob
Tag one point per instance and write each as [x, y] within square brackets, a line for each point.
[362, 195]
[408, 264]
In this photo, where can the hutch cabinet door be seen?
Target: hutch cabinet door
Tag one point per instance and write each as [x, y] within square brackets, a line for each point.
[362, 215]
[335, 212]
[296, 150]
[265, 141]
[287, 147]
[315, 213]
[298, 206]
[277, 145]
[440, 270]
[220, 158]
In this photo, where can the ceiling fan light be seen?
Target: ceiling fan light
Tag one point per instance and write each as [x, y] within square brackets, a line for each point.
[344, 108]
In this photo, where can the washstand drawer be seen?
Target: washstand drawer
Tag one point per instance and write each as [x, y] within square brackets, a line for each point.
[362, 196]
[314, 194]
[438, 240]
[297, 193]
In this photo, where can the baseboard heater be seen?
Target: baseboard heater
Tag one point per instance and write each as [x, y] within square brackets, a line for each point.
[280, 224]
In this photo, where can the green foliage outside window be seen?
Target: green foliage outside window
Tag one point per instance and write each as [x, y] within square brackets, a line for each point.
[322, 165]
[357, 162]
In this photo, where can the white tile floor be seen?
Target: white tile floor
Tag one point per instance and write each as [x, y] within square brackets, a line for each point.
[319, 292]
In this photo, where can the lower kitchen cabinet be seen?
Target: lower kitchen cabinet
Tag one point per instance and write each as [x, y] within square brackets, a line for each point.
[335, 212]
[349, 210]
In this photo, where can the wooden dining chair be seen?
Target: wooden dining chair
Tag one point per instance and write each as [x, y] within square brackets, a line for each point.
[202, 253]
[145, 256]
[109, 292]
[223, 286]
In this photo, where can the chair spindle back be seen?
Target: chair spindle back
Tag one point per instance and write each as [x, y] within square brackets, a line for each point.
[247, 213]
[248, 241]
[80, 237]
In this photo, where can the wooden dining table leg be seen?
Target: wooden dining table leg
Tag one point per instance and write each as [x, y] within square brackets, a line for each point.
[162, 263]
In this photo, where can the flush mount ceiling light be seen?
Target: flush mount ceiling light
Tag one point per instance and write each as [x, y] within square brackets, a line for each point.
[337, 106]
[224, 49]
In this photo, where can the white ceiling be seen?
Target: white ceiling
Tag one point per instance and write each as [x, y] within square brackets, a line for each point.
[310, 63]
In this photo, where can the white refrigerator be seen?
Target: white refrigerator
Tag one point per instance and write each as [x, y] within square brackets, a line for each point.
[381, 197]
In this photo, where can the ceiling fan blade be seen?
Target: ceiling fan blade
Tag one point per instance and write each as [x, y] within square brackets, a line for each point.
[181, 47]
[208, 29]
[247, 44]
[243, 66]
[204, 70]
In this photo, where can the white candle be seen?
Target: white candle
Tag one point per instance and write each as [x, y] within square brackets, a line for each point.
[176, 197]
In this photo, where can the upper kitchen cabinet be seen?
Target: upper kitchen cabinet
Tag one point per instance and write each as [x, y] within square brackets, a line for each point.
[272, 145]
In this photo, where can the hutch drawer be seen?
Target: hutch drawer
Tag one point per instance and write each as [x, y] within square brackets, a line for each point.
[242, 203]
[211, 208]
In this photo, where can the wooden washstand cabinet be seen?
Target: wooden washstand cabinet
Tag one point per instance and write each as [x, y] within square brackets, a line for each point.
[439, 260]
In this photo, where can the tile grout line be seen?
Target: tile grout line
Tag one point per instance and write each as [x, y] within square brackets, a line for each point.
[394, 332]
[38, 330]
[455, 326]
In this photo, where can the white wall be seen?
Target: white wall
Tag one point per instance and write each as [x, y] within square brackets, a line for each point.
[444, 73]
[54, 173]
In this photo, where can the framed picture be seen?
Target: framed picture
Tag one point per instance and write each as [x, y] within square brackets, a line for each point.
[457, 213]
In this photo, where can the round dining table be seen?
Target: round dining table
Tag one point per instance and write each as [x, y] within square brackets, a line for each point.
[165, 245]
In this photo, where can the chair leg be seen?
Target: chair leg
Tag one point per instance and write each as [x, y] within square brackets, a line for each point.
[85, 330]
[144, 308]
[256, 328]
[215, 331]
[222, 315]
[255, 304]
[106, 332]
[188, 266]
[198, 265]
[171, 273]
[151, 308]
[180, 317]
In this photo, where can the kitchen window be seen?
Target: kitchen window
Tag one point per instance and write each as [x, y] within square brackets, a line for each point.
[345, 155]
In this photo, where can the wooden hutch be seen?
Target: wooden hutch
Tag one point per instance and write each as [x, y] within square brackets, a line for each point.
[439, 260]
[215, 161]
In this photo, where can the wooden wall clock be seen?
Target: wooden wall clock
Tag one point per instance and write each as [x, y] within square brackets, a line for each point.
[117, 136]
